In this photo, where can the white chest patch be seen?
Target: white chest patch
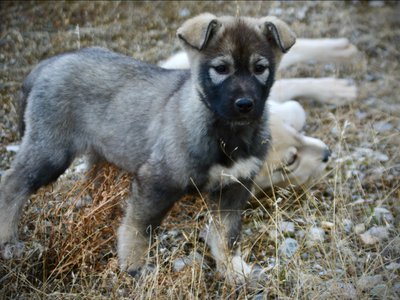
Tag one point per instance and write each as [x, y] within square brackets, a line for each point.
[242, 169]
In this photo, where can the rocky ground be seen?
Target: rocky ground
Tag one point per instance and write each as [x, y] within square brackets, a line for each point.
[336, 239]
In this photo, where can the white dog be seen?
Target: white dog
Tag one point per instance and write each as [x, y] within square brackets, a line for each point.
[295, 158]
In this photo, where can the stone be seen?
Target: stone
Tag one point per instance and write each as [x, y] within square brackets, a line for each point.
[383, 215]
[327, 225]
[367, 282]
[359, 228]
[315, 235]
[288, 247]
[375, 235]
[286, 227]
[347, 225]
[189, 260]
[379, 291]
[393, 266]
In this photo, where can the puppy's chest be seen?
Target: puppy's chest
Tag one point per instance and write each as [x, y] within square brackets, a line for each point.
[240, 170]
[235, 161]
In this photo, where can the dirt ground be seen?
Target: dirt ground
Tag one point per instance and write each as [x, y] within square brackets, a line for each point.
[70, 242]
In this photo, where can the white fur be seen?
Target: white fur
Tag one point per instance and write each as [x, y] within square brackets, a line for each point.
[325, 90]
[242, 169]
[319, 50]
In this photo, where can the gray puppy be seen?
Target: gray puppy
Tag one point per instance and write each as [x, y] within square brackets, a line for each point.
[178, 132]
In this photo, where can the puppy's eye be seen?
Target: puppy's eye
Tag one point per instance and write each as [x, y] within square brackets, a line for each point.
[292, 159]
[222, 69]
[259, 69]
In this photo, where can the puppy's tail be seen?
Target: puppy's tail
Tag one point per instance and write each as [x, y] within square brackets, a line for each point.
[22, 100]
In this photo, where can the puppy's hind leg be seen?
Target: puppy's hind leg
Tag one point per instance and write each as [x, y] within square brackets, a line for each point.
[36, 164]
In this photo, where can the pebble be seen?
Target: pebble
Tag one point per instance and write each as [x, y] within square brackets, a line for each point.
[379, 291]
[300, 234]
[184, 12]
[382, 126]
[367, 282]
[12, 148]
[286, 227]
[347, 225]
[188, 260]
[339, 290]
[374, 235]
[393, 266]
[383, 215]
[315, 235]
[359, 228]
[288, 247]
[327, 225]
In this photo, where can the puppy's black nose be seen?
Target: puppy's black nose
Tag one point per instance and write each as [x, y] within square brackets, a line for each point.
[325, 157]
[244, 105]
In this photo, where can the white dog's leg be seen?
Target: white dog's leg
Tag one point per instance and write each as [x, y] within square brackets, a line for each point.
[326, 90]
[320, 50]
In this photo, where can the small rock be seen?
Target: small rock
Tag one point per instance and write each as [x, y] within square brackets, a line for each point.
[359, 228]
[379, 156]
[273, 234]
[286, 227]
[288, 247]
[379, 291]
[393, 266]
[12, 148]
[367, 282]
[13, 250]
[184, 12]
[327, 225]
[375, 235]
[383, 215]
[347, 225]
[300, 234]
[315, 235]
[376, 3]
[339, 290]
[189, 260]
[382, 126]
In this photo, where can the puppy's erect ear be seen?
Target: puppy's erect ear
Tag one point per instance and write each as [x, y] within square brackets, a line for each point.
[197, 31]
[279, 32]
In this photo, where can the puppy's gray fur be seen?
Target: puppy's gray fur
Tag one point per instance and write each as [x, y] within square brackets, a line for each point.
[177, 131]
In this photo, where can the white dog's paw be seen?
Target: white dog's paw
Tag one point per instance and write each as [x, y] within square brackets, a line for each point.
[336, 91]
[341, 49]
[12, 250]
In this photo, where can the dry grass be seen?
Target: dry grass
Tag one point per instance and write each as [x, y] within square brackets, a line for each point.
[70, 241]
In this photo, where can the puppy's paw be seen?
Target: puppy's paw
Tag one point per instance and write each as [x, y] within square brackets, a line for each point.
[239, 272]
[12, 250]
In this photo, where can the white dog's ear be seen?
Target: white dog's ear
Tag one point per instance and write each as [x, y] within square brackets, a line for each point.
[197, 31]
[278, 32]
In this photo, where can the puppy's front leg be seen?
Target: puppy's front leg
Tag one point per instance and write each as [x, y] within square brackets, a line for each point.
[150, 201]
[224, 233]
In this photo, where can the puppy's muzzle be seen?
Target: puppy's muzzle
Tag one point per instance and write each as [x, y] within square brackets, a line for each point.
[244, 105]
[326, 155]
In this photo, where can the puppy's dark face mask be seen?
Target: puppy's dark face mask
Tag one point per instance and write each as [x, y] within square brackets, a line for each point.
[233, 62]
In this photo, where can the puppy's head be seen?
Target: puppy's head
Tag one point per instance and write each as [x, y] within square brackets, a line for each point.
[293, 158]
[233, 62]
